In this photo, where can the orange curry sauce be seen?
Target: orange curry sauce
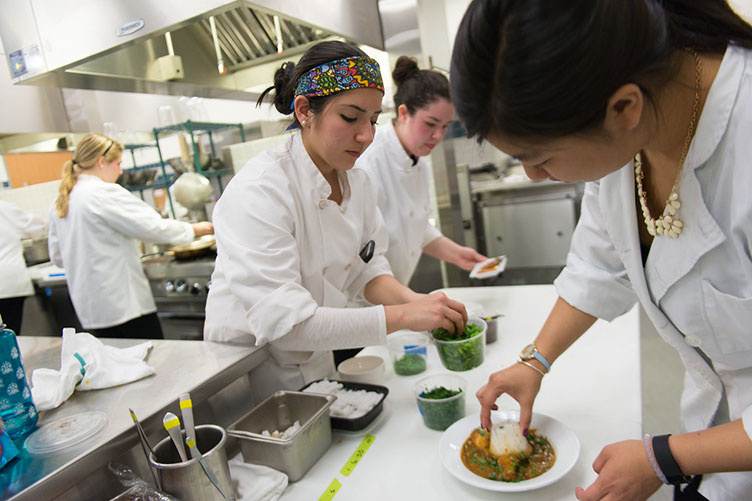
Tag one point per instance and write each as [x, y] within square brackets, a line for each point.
[514, 467]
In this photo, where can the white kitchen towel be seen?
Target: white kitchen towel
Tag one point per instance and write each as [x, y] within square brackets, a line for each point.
[254, 482]
[88, 364]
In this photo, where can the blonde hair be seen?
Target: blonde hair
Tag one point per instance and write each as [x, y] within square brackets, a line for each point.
[88, 151]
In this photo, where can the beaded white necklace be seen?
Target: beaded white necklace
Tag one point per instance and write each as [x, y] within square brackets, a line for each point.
[669, 223]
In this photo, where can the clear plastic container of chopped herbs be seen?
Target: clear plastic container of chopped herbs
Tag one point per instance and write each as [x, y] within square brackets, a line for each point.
[463, 351]
[441, 400]
[408, 352]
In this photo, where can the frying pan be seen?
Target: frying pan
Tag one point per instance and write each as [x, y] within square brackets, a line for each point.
[203, 246]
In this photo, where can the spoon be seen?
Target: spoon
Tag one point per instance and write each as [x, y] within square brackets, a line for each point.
[186, 410]
[172, 425]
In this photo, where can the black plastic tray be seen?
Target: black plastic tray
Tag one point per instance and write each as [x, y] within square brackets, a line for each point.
[361, 422]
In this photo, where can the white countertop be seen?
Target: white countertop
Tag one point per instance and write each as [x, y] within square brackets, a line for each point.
[594, 389]
[44, 274]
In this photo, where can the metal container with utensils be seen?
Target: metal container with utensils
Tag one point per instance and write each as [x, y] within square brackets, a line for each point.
[295, 454]
[187, 480]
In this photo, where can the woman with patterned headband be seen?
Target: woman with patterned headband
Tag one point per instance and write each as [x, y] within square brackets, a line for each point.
[93, 228]
[299, 234]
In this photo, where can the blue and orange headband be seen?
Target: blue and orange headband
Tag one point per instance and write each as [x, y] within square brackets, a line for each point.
[342, 74]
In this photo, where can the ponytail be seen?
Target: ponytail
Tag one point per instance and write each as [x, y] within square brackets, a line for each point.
[70, 176]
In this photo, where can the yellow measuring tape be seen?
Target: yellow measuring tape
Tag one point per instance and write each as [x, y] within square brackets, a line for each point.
[330, 491]
[355, 458]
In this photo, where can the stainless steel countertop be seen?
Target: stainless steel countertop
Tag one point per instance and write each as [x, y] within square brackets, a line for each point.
[199, 367]
[519, 185]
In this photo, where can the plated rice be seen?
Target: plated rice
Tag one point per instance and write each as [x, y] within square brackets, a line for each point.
[506, 438]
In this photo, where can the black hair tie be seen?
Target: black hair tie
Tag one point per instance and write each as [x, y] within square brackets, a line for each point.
[112, 141]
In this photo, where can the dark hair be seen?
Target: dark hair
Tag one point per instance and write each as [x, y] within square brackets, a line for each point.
[417, 88]
[546, 68]
[286, 77]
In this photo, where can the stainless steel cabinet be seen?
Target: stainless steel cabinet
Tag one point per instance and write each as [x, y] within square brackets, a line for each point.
[533, 228]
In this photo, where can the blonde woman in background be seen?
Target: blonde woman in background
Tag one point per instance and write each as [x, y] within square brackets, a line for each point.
[94, 226]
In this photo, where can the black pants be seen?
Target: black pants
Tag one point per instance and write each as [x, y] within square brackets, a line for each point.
[689, 493]
[11, 309]
[144, 327]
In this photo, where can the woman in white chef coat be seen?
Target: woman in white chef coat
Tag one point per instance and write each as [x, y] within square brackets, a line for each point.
[396, 165]
[651, 103]
[299, 233]
[15, 284]
[94, 226]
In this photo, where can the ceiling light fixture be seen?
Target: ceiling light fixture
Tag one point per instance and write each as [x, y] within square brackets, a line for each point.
[220, 63]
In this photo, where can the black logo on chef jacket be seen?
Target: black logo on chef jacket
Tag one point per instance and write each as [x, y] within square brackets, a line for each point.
[366, 253]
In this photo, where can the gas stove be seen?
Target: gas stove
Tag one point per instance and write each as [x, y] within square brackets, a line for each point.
[180, 289]
[170, 278]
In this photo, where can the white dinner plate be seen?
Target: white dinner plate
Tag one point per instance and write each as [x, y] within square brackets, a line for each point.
[562, 439]
[499, 268]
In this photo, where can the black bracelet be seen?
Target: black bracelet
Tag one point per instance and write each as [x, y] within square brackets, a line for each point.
[666, 461]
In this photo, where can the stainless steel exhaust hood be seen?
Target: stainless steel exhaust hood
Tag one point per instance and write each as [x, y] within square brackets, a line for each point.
[119, 45]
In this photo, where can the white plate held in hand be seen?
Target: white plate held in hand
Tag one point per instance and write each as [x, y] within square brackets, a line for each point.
[489, 268]
[562, 439]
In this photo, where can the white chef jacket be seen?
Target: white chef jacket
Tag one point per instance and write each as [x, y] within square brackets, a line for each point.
[284, 250]
[96, 244]
[15, 224]
[696, 289]
[403, 198]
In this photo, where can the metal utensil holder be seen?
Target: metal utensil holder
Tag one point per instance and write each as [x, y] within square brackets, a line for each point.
[186, 480]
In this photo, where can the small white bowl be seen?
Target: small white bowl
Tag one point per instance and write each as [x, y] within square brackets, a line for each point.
[365, 369]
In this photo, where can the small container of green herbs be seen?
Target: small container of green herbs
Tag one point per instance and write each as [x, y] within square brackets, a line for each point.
[441, 400]
[463, 351]
[408, 351]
